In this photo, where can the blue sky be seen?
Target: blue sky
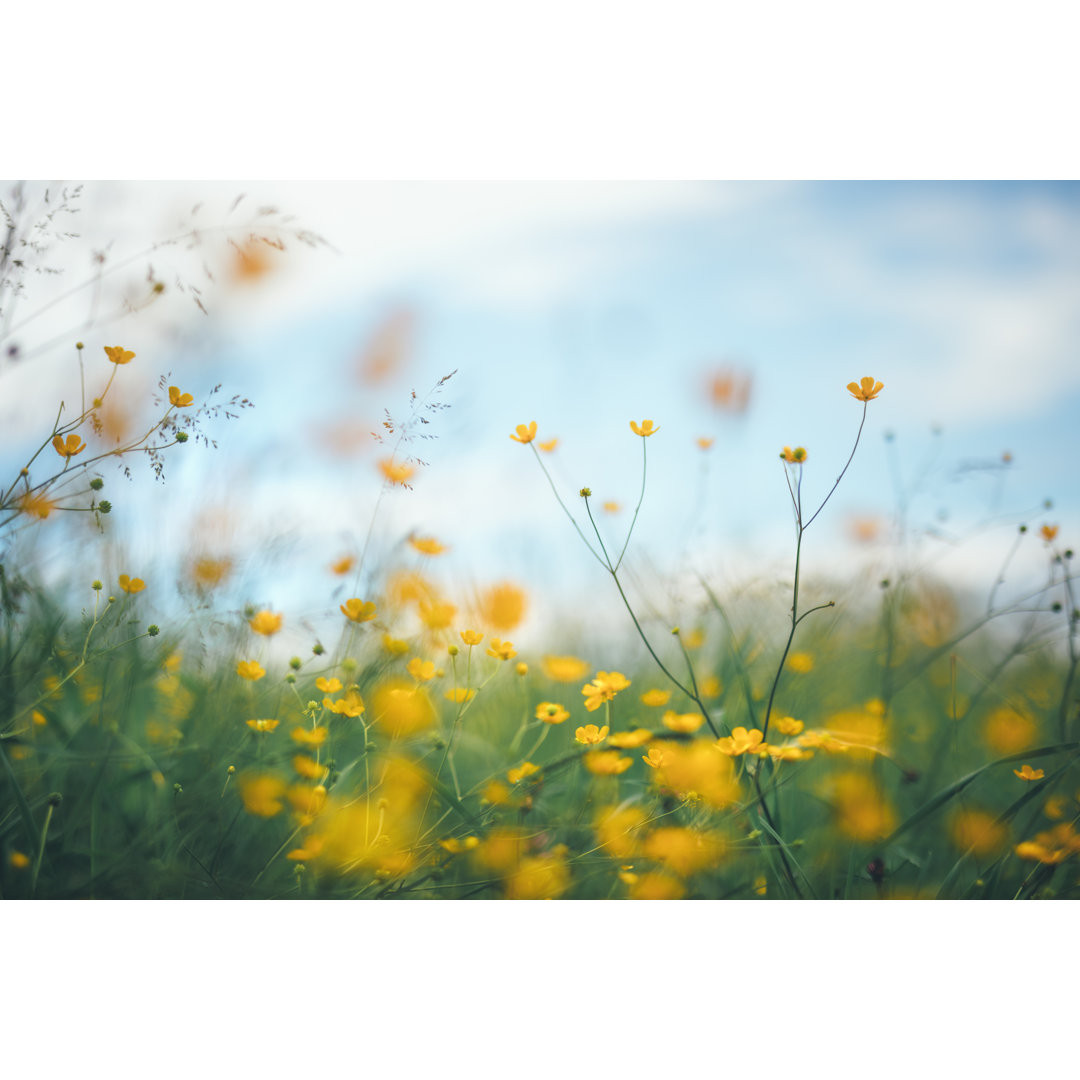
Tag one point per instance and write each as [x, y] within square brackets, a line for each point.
[585, 306]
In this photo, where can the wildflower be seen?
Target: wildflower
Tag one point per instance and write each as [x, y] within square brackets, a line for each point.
[861, 809]
[585, 492]
[801, 662]
[343, 565]
[551, 713]
[627, 740]
[977, 831]
[39, 718]
[34, 504]
[1054, 807]
[328, 686]
[458, 695]
[18, 861]
[118, 354]
[501, 650]
[645, 429]
[471, 637]
[521, 668]
[784, 753]
[421, 670]
[656, 758]
[657, 886]
[730, 390]
[455, 845]
[564, 669]
[525, 769]
[266, 623]
[525, 433]
[794, 457]
[311, 849]
[590, 734]
[1026, 772]
[612, 507]
[402, 708]
[437, 615]
[262, 795]
[617, 830]
[1009, 731]
[207, 572]
[426, 545]
[1048, 531]
[787, 725]
[396, 473]
[308, 802]
[656, 697]
[394, 646]
[1051, 847]
[357, 610]
[865, 389]
[262, 725]
[603, 687]
[351, 705]
[250, 669]
[74, 445]
[705, 442]
[181, 401]
[548, 446]
[131, 585]
[503, 606]
[740, 741]
[496, 793]
[684, 851]
[684, 722]
[606, 762]
[539, 877]
[308, 767]
[315, 736]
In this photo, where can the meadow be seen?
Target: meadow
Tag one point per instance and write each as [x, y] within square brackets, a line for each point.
[803, 739]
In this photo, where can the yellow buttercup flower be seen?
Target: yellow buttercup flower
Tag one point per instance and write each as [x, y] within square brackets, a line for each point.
[794, 457]
[548, 446]
[352, 704]
[131, 585]
[343, 565]
[262, 725]
[395, 472]
[459, 695]
[69, 448]
[310, 736]
[262, 795]
[328, 686]
[590, 734]
[471, 637]
[501, 650]
[787, 725]
[1026, 772]
[656, 697]
[437, 615]
[627, 740]
[564, 669]
[551, 713]
[740, 741]
[502, 607]
[604, 686]
[687, 723]
[525, 769]
[645, 429]
[250, 669]
[421, 670]
[119, 355]
[865, 389]
[266, 623]
[358, 610]
[36, 505]
[1048, 532]
[657, 757]
[181, 401]
[426, 545]
[606, 762]
[705, 442]
[525, 432]
[802, 662]
[308, 767]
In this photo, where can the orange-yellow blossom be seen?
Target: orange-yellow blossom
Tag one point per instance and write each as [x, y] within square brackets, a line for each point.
[525, 432]
[69, 448]
[865, 389]
[181, 401]
[645, 429]
[358, 610]
[119, 355]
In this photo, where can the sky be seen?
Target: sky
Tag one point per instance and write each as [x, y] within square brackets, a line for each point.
[583, 307]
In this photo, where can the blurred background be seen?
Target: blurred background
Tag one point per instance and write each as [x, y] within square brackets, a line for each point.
[730, 312]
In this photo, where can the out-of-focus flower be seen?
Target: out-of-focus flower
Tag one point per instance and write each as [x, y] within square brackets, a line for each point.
[426, 545]
[351, 705]
[801, 662]
[740, 741]
[402, 708]
[328, 686]
[313, 737]
[524, 770]
[656, 757]
[611, 507]
[548, 446]
[421, 670]
[551, 713]
[525, 432]
[1026, 772]
[396, 472]
[657, 886]
[683, 722]
[564, 669]
[502, 607]
[308, 767]
[1051, 847]
[501, 650]
[437, 615]
[1048, 532]
[36, 505]
[130, 584]
[459, 695]
[865, 389]
[977, 831]
[705, 442]
[794, 457]
[861, 809]
[394, 646]
[656, 697]
[262, 725]
[729, 389]
[539, 877]
[590, 734]
[357, 610]
[207, 572]
[250, 669]
[604, 686]
[17, 860]
[266, 623]
[119, 355]
[618, 830]
[180, 401]
[627, 740]
[684, 851]
[343, 565]
[262, 794]
[788, 725]
[1008, 731]
[645, 429]
[606, 762]
[70, 447]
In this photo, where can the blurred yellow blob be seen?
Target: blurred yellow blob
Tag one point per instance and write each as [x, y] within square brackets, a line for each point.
[262, 794]
[861, 810]
[402, 708]
[502, 607]
[617, 830]
[685, 851]
[565, 669]
[1008, 731]
[977, 831]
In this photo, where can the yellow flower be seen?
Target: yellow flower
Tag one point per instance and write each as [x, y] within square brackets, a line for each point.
[645, 429]
[501, 650]
[794, 457]
[18, 861]
[1048, 531]
[590, 734]
[402, 708]
[310, 736]
[262, 725]
[525, 433]
[548, 446]
[181, 401]
[39, 718]
[74, 445]
[656, 886]
[1051, 847]
[437, 615]
[603, 687]
[684, 722]
[606, 762]
[119, 355]
[421, 670]
[496, 793]
[343, 565]
[801, 662]
[551, 713]
[357, 610]
[627, 740]
[521, 668]
[308, 767]
[502, 607]
[656, 757]
[978, 830]
[612, 507]
[266, 623]
[787, 725]
[705, 442]
[250, 669]
[471, 637]
[861, 810]
[684, 851]
[394, 646]
[1009, 731]
[208, 572]
[564, 669]
[131, 585]
[459, 694]
[1026, 772]
[312, 849]
[262, 795]
[395, 472]
[617, 830]
[539, 877]
[865, 389]
[328, 686]
[656, 697]
[34, 504]
[525, 769]
[352, 704]
[740, 741]
[427, 545]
